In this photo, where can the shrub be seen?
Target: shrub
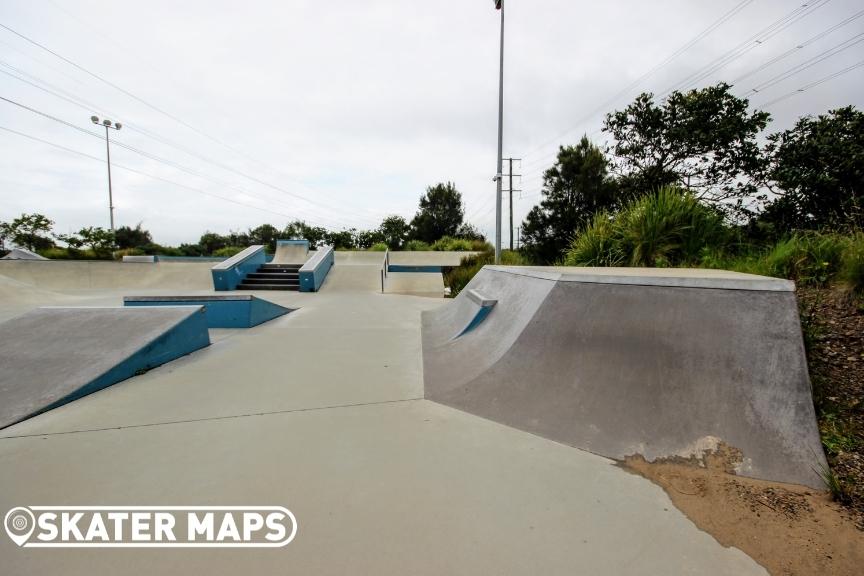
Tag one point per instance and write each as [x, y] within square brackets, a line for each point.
[379, 247]
[808, 258]
[597, 244]
[852, 266]
[450, 244]
[228, 251]
[667, 228]
[416, 246]
[118, 254]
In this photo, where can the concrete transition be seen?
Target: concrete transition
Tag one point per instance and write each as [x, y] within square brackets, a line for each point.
[291, 252]
[661, 363]
[22, 254]
[52, 356]
[233, 311]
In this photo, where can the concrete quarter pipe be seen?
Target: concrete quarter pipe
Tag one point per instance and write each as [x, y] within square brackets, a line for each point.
[619, 362]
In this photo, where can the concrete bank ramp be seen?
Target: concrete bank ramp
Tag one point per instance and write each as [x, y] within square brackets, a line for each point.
[52, 356]
[660, 363]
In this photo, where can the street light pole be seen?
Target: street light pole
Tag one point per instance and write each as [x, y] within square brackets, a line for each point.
[114, 126]
[499, 5]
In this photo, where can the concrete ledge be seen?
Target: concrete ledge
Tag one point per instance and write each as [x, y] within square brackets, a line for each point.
[228, 311]
[52, 356]
[228, 274]
[315, 270]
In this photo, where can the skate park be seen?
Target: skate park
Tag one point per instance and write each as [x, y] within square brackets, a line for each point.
[444, 423]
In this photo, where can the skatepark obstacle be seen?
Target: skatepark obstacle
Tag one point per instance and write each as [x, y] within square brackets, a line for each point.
[662, 363]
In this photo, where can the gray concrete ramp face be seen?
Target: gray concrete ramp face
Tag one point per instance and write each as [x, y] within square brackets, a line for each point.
[52, 356]
[635, 362]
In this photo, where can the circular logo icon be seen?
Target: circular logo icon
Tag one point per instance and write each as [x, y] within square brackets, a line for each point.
[19, 523]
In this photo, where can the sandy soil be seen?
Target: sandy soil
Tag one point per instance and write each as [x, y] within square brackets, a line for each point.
[788, 529]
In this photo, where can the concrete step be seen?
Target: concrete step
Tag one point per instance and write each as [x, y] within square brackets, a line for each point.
[245, 286]
[283, 281]
[275, 275]
[287, 267]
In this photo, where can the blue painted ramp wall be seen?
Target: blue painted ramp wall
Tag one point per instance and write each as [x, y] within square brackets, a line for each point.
[234, 311]
[52, 356]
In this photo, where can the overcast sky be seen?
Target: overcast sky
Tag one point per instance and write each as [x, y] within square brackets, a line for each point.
[342, 112]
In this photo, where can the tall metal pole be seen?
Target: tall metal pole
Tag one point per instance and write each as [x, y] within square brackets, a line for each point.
[110, 193]
[498, 174]
[510, 230]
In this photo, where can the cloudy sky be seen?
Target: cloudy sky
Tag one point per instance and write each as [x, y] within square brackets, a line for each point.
[341, 112]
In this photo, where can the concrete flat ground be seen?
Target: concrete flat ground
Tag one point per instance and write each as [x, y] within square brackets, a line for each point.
[322, 411]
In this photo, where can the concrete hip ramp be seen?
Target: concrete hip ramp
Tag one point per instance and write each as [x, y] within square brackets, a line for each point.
[52, 356]
[619, 362]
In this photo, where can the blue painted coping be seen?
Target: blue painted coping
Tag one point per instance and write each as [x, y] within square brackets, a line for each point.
[409, 268]
[484, 304]
[314, 271]
[235, 311]
[187, 336]
[228, 274]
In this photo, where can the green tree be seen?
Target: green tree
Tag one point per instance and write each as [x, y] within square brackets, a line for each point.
[818, 166]
[440, 214]
[128, 237]
[100, 240]
[342, 240]
[574, 189]
[31, 231]
[394, 230]
[299, 230]
[702, 140]
[368, 238]
[266, 234]
[211, 241]
[468, 231]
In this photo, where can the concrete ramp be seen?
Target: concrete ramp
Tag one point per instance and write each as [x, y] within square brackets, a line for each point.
[52, 356]
[291, 252]
[428, 284]
[661, 363]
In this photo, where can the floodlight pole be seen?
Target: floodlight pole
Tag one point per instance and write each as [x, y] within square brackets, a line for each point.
[499, 4]
[114, 126]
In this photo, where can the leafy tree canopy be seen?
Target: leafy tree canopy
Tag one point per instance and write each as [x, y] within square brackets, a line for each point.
[394, 232]
[818, 166]
[128, 237]
[702, 140]
[440, 214]
[29, 231]
[574, 189]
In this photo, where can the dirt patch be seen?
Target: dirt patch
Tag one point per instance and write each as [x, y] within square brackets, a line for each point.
[788, 529]
[833, 323]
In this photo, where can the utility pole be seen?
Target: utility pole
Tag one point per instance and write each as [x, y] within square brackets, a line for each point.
[114, 126]
[499, 5]
[511, 190]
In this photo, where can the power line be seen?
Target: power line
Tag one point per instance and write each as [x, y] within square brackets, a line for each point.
[728, 57]
[141, 173]
[834, 50]
[798, 47]
[752, 42]
[143, 153]
[689, 44]
[813, 84]
[83, 104]
[163, 112]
